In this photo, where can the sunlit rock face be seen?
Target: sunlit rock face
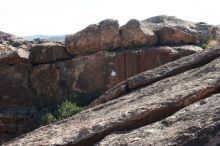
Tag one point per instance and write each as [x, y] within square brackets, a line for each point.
[38, 74]
[96, 37]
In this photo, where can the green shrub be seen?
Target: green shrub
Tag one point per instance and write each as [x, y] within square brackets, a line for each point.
[67, 109]
[47, 119]
[204, 46]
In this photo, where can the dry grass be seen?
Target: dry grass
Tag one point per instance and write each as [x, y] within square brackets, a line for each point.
[213, 43]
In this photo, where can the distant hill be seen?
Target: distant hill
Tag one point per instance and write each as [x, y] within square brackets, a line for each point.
[47, 37]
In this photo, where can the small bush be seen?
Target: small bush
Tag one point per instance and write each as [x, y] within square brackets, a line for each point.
[47, 119]
[65, 110]
[204, 46]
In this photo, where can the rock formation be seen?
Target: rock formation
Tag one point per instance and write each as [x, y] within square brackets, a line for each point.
[103, 36]
[38, 74]
[180, 108]
[7, 37]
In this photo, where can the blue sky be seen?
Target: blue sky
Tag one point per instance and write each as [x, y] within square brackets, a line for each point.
[29, 17]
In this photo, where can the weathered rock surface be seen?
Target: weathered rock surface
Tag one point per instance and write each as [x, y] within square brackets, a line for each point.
[181, 31]
[134, 35]
[7, 37]
[152, 76]
[94, 60]
[14, 121]
[173, 36]
[15, 86]
[195, 125]
[100, 71]
[144, 106]
[97, 37]
[10, 55]
[48, 52]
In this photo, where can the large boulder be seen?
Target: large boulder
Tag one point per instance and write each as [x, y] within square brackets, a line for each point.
[48, 52]
[148, 114]
[97, 37]
[133, 35]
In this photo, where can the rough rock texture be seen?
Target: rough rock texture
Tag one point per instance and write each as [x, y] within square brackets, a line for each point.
[195, 125]
[152, 76]
[103, 36]
[14, 121]
[15, 86]
[134, 35]
[141, 108]
[37, 74]
[171, 36]
[7, 37]
[10, 55]
[49, 52]
[100, 71]
[181, 31]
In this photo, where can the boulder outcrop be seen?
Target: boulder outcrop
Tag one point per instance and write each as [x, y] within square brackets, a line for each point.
[180, 109]
[40, 73]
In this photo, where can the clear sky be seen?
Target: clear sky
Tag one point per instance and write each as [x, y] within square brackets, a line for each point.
[29, 17]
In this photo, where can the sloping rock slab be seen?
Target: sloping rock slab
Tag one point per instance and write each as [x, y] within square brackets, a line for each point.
[195, 125]
[141, 107]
